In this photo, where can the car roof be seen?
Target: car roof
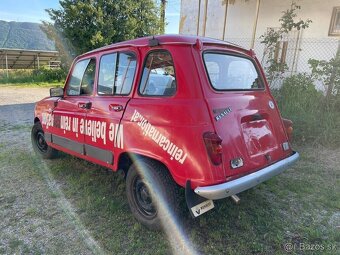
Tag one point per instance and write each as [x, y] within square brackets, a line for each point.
[166, 40]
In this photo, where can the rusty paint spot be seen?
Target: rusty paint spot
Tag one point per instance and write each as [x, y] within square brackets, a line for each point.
[181, 23]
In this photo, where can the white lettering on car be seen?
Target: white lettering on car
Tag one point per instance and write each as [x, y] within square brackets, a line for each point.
[161, 140]
[47, 119]
[92, 128]
[116, 135]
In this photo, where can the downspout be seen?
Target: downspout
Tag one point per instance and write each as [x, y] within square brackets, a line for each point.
[225, 18]
[198, 17]
[255, 23]
[205, 16]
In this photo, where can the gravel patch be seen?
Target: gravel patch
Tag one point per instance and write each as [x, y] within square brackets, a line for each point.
[21, 95]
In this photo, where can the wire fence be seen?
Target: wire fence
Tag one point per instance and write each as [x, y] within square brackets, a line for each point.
[298, 52]
[295, 53]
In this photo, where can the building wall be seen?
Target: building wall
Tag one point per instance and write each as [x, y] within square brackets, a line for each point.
[314, 41]
[241, 14]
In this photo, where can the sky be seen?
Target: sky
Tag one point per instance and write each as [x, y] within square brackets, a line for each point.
[34, 11]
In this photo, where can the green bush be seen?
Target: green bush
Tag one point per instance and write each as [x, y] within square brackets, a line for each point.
[315, 117]
[29, 76]
[49, 74]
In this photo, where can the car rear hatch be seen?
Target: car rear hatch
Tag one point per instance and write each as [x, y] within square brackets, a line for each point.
[244, 113]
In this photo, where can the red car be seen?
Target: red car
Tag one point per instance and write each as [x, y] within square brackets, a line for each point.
[171, 112]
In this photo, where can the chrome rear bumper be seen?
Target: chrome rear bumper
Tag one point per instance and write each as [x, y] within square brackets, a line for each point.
[236, 186]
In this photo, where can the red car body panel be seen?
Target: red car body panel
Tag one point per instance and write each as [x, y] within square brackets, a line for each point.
[170, 129]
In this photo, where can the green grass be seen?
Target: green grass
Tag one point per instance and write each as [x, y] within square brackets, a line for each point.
[293, 208]
[34, 84]
[298, 207]
[301, 207]
[315, 118]
[29, 76]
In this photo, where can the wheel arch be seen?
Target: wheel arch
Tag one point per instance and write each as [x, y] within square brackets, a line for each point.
[126, 159]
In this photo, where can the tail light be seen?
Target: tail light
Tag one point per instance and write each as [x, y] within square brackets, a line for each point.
[289, 128]
[213, 143]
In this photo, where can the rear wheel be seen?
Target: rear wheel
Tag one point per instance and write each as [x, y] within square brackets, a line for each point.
[152, 194]
[39, 143]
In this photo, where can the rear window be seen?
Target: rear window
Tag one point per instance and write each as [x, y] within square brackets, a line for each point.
[230, 72]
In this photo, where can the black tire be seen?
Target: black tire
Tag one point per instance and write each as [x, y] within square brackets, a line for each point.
[39, 144]
[152, 194]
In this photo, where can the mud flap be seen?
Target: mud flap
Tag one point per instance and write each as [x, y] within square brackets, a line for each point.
[197, 205]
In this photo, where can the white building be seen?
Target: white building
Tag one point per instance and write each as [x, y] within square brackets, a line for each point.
[244, 21]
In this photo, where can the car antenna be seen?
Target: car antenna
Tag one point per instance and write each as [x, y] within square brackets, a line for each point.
[153, 42]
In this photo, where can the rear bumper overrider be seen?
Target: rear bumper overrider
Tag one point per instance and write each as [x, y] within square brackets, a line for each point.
[236, 186]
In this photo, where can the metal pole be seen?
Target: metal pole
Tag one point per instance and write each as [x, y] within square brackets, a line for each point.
[163, 6]
[298, 53]
[205, 16]
[225, 18]
[38, 62]
[198, 17]
[6, 65]
[295, 51]
[255, 23]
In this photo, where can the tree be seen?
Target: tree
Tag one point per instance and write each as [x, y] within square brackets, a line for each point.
[89, 24]
[328, 72]
[62, 44]
[272, 38]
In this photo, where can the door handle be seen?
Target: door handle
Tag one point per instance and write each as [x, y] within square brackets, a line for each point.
[116, 107]
[85, 105]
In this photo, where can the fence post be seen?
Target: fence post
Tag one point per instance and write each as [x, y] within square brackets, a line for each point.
[6, 66]
[335, 70]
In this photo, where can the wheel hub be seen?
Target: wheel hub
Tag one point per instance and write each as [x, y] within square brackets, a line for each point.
[143, 198]
[41, 143]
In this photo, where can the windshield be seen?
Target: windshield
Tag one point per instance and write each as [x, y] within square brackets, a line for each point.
[230, 72]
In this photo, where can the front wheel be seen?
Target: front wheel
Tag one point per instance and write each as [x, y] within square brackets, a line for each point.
[152, 194]
[39, 143]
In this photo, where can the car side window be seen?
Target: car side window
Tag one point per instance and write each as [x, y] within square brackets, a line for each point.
[87, 83]
[116, 73]
[82, 78]
[158, 75]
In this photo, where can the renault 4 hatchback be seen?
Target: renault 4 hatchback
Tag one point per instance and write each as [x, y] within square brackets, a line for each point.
[170, 112]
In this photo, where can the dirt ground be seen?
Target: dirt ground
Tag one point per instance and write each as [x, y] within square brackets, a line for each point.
[35, 218]
[20, 95]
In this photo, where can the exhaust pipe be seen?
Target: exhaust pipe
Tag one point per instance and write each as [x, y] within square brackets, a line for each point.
[236, 199]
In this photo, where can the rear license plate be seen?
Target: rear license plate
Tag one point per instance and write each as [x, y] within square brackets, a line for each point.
[203, 207]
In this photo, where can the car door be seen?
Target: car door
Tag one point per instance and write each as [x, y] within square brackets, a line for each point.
[104, 133]
[69, 114]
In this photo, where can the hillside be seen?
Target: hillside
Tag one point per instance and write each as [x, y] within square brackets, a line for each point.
[24, 35]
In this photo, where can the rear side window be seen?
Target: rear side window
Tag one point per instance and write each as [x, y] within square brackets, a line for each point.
[116, 73]
[230, 72]
[82, 78]
[158, 75]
